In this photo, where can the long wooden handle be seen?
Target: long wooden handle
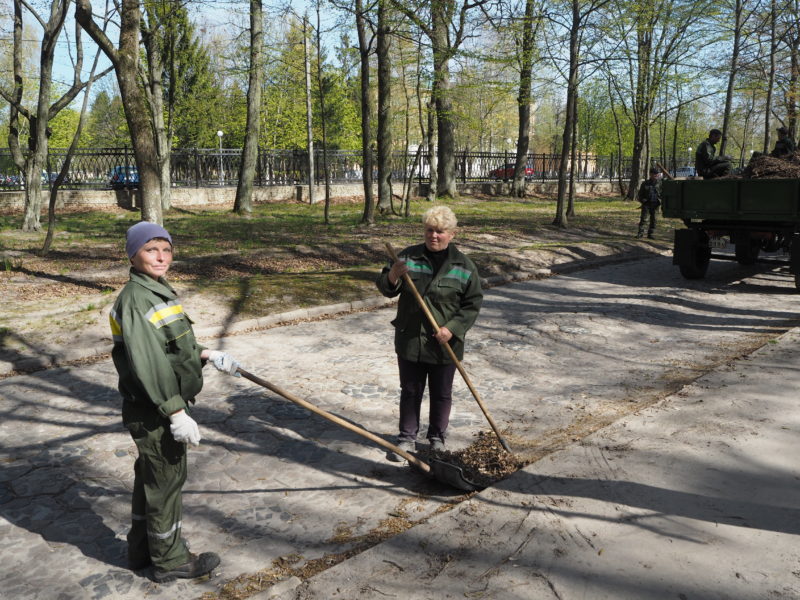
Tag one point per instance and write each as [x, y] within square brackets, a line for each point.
[424, 306]
[339, 421]
[664, 171]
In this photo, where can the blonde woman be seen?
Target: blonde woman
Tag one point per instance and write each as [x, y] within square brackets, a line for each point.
[450, 285]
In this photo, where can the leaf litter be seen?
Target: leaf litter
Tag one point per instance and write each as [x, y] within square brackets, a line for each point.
[484, 461]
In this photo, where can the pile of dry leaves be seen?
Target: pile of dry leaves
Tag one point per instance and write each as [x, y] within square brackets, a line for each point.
[765, 166]
[484, 461]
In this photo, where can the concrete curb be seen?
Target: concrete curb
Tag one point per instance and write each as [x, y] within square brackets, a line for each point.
[48, 360]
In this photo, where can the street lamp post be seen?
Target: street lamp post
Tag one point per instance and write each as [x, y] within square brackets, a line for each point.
[219, 135]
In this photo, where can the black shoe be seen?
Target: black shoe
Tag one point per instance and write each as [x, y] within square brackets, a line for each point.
[639, 235]
[437, 445]
[138, 565]
[650, 236]
[196, 567]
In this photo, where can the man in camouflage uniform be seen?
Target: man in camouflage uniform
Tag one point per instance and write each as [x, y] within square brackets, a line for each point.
[650, 198]
[706, 161]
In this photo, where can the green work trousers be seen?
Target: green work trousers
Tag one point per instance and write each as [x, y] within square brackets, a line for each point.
[159, 475]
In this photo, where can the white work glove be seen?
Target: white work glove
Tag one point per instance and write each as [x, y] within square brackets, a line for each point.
[224, 362]
[184, 428]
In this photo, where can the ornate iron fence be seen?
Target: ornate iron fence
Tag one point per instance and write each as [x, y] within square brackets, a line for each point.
[204, 167]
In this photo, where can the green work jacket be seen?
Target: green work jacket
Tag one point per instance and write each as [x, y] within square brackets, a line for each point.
[453, 296]
[705, 157]
[155, 352]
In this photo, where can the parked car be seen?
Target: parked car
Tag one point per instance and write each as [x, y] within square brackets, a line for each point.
[123, 177]
[506, 172]
[685, 172]
[10, 179]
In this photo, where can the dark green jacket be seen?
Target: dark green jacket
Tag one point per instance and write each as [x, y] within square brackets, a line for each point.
[783, 147]
[453, 296]
[155, 351]
[705, 158]
[650, 192]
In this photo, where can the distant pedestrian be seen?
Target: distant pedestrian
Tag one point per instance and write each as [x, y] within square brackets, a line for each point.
[448, 281]
[784, 146]
[649, 197]
[160, 364]
[707, 164]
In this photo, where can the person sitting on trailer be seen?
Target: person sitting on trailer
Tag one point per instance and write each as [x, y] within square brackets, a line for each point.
[706, 161]
[784, 146]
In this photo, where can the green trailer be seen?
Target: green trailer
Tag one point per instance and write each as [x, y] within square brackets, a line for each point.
[754, 215]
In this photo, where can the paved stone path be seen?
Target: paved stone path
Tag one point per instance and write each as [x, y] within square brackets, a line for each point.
[693, 498]
[554, 359]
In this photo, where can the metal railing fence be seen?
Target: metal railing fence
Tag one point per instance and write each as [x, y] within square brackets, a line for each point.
[206, 167]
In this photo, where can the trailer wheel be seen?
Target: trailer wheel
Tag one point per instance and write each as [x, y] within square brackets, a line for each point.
[698, 267]
[747, 252]
[691, 253]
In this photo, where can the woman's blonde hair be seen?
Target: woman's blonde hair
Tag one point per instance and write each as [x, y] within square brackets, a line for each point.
[441, 217]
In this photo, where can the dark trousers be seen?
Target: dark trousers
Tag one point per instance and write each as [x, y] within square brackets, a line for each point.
[413, 376]
[650, 210]
[717, 170]
[159, 475]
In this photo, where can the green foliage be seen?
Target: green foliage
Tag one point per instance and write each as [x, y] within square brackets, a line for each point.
[63, 128]
[190, 88]
[105, 124]
[343, 120]
[283, 111]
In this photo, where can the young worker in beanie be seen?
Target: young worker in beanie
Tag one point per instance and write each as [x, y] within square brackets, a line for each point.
[448, 282]
[650, 198]
[159, 363]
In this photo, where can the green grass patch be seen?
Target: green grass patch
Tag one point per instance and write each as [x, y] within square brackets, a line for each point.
[283, 256]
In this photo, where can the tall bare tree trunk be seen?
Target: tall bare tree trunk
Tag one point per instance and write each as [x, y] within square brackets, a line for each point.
[732, 73]
[62, 173]
[323, 120]
[32, 164]
[366, 113]
[561, 219]
[243, 204]
[642, 105]
[309, 119]
[433, 162]
[446, 167]
[155, 95]
[125, 58]
[524, 101]
[384, 111]
[773, 49]
[792, 92]
[573, 160]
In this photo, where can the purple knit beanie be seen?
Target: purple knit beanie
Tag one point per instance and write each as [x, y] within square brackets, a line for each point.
[141, 233]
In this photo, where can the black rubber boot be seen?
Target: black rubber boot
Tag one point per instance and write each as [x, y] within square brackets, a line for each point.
[196, 567]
